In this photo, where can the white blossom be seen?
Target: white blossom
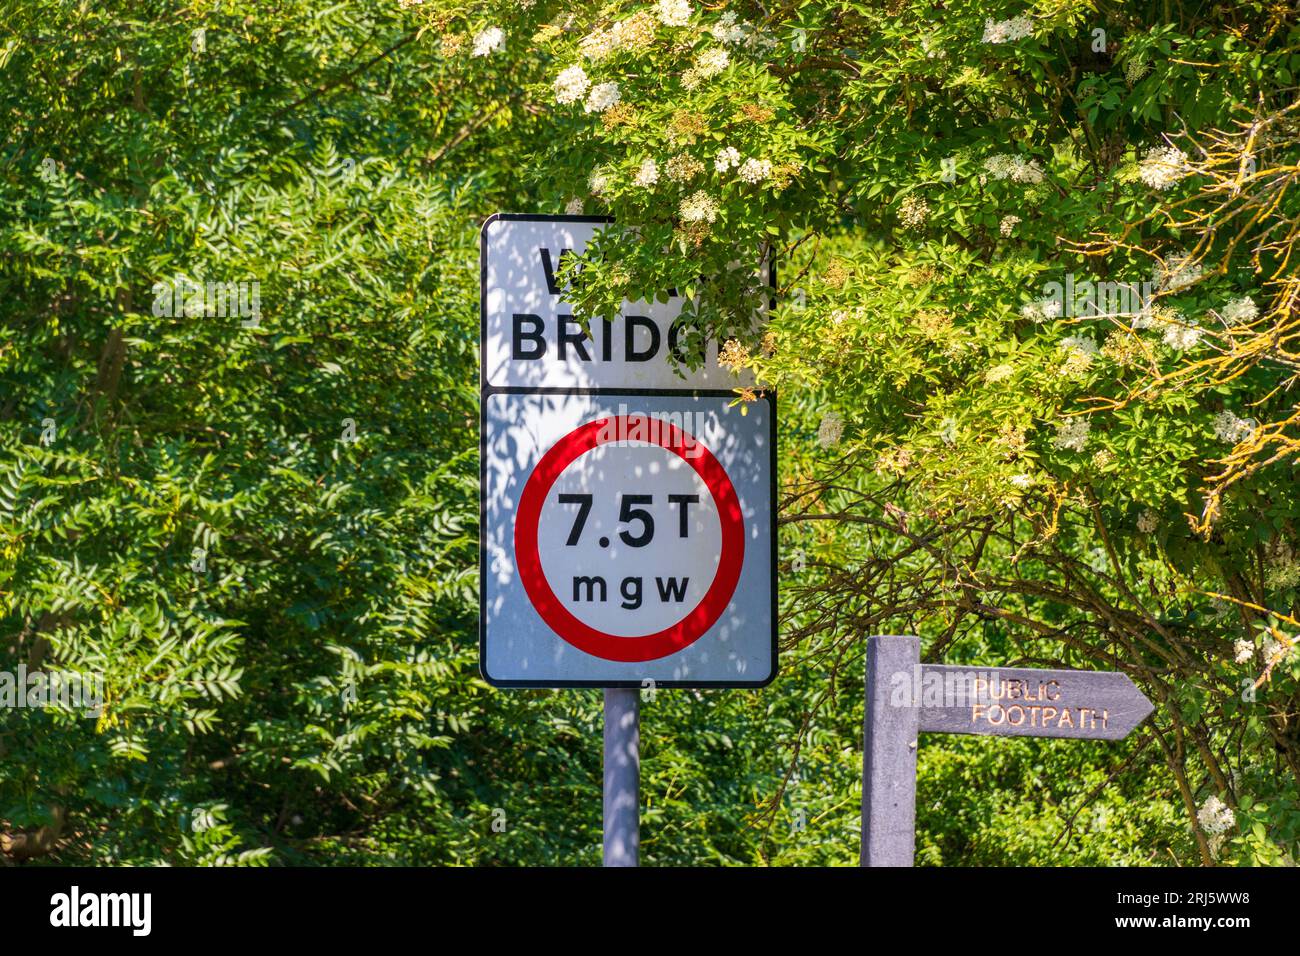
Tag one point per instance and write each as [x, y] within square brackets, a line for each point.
[1231, 429]
[571, 85]
[573, 207]
[1182, 335]
[598, 182]
[1021, 481]
[632, 33]
[488, 40]
[1215, 816]
[1008, 224]
[597, 45]
[931, 49]
[712, 61]
[673, 13]
[1147, 521]
[1245, 650]
[1178, 272]
[1015, 168]
[1240, 310]
[729, 29]
[698, 207]
[1007, 31]
[913, 212]
[709, 63]
[754, 170]
[1163, 166]
[728, 158]
[1072, 435]
[1042, 310]
[648, 174]
[830, 430]
[1275, 651]
[1079, 343]
[601, 97]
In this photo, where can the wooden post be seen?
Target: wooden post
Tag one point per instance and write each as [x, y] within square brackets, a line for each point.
[889, 755]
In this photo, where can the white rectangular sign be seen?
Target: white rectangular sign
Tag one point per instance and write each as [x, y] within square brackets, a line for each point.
[627, 519]
[530, 338]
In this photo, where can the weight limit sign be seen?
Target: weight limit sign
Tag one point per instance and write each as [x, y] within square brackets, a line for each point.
[627, 538]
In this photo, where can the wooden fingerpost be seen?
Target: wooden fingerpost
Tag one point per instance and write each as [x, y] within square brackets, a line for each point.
[890, 732]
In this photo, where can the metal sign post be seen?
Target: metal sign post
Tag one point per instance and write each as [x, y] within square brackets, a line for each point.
[906, 698]
[622, 803]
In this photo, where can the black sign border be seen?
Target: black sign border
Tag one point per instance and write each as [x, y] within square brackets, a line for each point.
[486, 390]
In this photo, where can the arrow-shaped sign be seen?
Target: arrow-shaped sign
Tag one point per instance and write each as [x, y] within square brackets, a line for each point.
[906, 697]
[1013, 702]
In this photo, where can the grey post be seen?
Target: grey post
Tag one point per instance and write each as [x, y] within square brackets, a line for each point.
[889, 755]
[622, 776]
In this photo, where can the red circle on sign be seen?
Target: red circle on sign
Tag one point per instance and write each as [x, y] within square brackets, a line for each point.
[644, 647]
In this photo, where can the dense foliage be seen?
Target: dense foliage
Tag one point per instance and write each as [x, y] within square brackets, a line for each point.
[258, 523]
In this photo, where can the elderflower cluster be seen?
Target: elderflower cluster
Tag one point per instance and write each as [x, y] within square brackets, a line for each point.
[1282, 569]
[1163, 166]
[1043, 310]
[1239, 311]
[1080, 352]
[829, 430]
[597, 45]
[699, 206]
[1011, 440]
[571, 85]
[1015, 168]
[1007, 31]
[913, 212]
[708, 63]
[1079, 343]
[1008, 224]
[598, 182]
[998, 373]
[488, 41]
[1135, 69]
[1147, 521]
[754, 170]
[1182, 334]
[733, 356]
[1275, 651]
[1178, 272]
[1215, 816]
[727, 158]
[729, 29]
[673, 13]
[573, 207]
[1231, 429]
[683, 167]
[601, 98]
[1244, 650]
[634, 33]
[1072, 435]
[647, 175]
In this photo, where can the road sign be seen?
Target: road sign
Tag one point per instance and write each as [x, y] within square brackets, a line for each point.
[627, 511]
[906, 698]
